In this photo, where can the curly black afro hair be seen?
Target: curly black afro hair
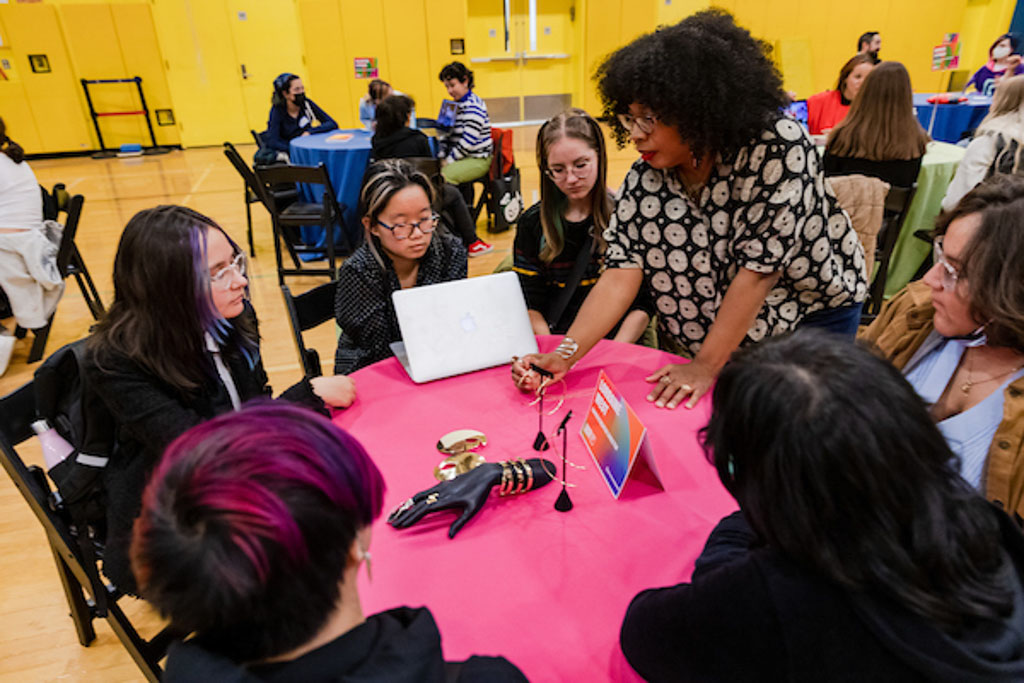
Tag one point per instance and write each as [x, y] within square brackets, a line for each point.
[706, 76]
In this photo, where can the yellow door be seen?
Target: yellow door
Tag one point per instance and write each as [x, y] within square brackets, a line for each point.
[265, 34]
[524, 56]
[201, 71]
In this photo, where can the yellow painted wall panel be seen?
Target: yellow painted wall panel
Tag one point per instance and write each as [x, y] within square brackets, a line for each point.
[52, 97]
[983, 22]
[325, 54]
[95, 51]
[406, 65]
[446, 19]
[140, 49]
[195, 40]
[362, 26]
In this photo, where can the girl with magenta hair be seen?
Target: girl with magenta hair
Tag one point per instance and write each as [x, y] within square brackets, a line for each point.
[178, 346]
[252, 533]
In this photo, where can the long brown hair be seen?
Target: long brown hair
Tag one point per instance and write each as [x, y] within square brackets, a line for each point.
[162, 305]
[881, 125]
[577, 124]
[851, 64]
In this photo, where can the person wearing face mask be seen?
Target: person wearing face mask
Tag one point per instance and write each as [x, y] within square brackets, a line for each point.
[870, 44]
[828, 108]
[725, 220]
[1003, 58]
[958, 337]
[293, 114]
[401, 250]
[567, 225]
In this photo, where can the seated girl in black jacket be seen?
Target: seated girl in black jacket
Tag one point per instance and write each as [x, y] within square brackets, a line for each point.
[858, 553]
[178, 346]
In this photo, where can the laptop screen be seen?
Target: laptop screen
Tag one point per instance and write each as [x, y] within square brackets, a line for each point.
[798, 110]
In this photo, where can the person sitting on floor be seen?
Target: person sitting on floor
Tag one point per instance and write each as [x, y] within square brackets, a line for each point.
[28, 258]
[998, 143]
[958, 336]
[251, 536]
[395, 139]
[401, 250]
[858, 552]
[179, 345]
[880, 137]
[828, 108]
[466, 148]
[572, 215]
[292, 114]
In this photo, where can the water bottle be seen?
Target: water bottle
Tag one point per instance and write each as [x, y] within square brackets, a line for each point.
[55, 448]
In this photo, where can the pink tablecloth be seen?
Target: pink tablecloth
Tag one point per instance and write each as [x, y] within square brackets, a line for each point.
[546, 589]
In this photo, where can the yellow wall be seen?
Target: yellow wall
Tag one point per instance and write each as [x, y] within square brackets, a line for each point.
[190, 53]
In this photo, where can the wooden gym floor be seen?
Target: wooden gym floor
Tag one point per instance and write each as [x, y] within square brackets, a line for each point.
[37, 638]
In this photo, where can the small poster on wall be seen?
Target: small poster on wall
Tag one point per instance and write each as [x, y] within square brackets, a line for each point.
[946, 57]
[366, 67]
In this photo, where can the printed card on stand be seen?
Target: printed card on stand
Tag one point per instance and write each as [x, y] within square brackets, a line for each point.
[615, 437]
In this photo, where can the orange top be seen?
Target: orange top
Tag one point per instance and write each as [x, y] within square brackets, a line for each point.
[824, 111]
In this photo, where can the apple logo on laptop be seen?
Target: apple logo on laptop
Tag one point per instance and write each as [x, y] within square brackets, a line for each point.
[468, 324]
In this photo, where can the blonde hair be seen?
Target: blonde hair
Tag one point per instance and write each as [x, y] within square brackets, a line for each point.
[577, 124]
[881, 125]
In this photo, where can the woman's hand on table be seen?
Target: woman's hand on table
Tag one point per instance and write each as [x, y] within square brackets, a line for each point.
[528, 379]
[338, 391]
[676, 382]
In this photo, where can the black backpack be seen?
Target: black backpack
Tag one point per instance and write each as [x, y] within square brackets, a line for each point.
[64, 399]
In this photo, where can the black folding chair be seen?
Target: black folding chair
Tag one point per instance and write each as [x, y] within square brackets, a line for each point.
[257, 138]
[287, 220]
[897, 205]
[69, 262]
[253, 192]
[88, 596]
[305, 312]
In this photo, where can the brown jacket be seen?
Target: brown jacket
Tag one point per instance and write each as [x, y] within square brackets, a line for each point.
[901, 328]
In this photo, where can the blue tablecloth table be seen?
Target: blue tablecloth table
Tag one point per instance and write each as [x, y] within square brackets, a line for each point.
[951, 120]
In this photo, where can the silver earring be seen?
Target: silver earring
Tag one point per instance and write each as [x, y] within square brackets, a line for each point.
[369, 564]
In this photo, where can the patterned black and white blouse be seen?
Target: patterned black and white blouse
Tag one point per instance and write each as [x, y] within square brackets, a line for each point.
[767, 209]
[363, 308]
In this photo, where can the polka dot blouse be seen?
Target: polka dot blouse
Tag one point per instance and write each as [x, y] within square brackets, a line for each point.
[766, 208]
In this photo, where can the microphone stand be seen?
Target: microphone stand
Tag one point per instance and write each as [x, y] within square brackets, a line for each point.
[564, 503]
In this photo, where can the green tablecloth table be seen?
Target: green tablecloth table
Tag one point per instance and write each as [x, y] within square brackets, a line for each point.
[937, 169]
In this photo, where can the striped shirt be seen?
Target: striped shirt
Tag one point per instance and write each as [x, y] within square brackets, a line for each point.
[471, 134]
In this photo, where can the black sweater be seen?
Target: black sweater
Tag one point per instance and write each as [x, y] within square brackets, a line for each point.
[401, 645]
[404, 142]
[149, 413]
[751, 614]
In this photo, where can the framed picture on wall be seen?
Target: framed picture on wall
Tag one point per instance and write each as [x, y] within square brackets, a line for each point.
[40, 64]
[458, 46]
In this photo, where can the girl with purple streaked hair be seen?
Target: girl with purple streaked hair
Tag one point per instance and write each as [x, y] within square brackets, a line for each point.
[252, 532]
[178, 346]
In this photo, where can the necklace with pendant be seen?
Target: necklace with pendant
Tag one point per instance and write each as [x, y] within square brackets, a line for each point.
[970, 382]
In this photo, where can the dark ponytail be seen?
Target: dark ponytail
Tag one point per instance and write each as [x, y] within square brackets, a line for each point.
[10, 147]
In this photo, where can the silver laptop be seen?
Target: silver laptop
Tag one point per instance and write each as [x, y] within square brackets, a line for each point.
[462, 326]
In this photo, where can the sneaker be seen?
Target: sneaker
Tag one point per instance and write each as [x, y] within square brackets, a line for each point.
[6, 348]
[479, 247]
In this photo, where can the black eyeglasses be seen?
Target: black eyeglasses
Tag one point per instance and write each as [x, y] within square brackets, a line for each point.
[404, 230]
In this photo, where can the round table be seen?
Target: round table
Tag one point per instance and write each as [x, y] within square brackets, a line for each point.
[951, 120]
[345, 160]
[937, 170]
[546, 589]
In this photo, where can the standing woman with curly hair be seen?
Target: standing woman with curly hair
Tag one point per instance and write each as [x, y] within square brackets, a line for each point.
[725, 218]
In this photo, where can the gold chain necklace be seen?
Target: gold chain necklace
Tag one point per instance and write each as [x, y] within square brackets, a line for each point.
[970, 382]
